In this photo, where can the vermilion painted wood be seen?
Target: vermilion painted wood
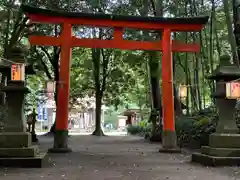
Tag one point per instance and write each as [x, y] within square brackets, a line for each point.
[64, 78]
[66, 41]
[167, 82]
[177, 46]
[111, 23]
[118, 35]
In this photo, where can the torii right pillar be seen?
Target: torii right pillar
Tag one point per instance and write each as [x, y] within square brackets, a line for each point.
[169, 137]
[169, 134]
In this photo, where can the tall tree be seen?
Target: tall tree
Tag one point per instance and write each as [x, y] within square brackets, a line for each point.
[232, 40]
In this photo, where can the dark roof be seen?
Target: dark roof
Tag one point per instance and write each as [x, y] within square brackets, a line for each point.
[58, 13]
[230, 72]
[5, 66]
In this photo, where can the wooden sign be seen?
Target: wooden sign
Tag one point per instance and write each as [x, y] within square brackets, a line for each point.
[233, 90]
[18, 72]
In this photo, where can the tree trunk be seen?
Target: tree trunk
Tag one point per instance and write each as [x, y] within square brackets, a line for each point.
[149, 83]
[153, 64]
[56, 78]
[155, 86]
[187, 82]
[52, 130]
[96, 57]
[218, 46]
[177, 102]
[98, 128]
[235, 3]
[231, 38]
[177, 99]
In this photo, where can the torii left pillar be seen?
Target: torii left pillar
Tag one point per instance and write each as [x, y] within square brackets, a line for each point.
[61, 132]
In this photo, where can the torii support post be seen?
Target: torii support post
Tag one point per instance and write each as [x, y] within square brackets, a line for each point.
[61, 133]
[66, 41]
[169, 133]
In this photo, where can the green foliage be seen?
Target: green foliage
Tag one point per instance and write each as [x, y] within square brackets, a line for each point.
[34, 84]
[135, 129]
[143, 124]
[192, 131]
[141, 128]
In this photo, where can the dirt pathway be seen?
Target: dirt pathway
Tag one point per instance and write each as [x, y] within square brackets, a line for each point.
[117, 158]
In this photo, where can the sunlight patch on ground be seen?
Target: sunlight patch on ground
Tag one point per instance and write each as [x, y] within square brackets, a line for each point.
[83, 133]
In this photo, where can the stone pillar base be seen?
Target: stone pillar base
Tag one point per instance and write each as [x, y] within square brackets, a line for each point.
[223, 150]
[169, 143]
[60, 142]
[16, 150]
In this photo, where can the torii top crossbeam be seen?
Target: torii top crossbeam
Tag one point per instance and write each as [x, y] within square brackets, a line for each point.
[108, 20]
[66, 41]
[117, 22]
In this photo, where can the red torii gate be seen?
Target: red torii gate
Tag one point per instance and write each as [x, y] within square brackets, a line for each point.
[67, 41]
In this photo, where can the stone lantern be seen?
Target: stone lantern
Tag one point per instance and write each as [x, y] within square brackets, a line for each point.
[224, 144]
[16, 147]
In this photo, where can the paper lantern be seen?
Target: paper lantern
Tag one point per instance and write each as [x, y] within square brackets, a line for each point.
[18, 72]
[50, 86]
[183, 91]
[233, 90]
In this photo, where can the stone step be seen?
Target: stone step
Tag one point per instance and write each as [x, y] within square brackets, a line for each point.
[223, 140]
[221, 152]
[208, 160]
[24, 162]
[31, 151]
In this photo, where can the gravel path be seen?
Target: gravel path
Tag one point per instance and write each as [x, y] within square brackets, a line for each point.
[117, 158]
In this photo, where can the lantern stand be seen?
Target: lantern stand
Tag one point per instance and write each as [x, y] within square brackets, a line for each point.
[224, 144]
[16, 147]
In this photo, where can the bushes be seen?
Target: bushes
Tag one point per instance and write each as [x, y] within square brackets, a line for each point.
[192, 132]
[139, 129]
[134, 129]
